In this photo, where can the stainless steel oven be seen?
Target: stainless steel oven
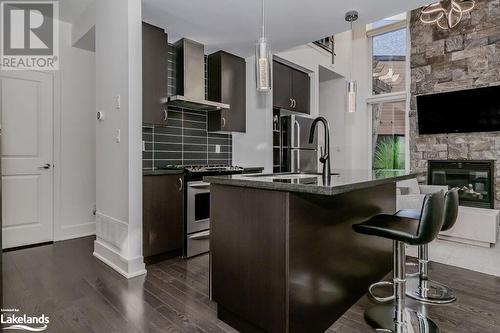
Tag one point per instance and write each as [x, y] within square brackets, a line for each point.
[198, 218]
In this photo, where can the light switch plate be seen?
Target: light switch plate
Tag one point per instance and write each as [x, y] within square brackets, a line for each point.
[118, 102]
[217, 149]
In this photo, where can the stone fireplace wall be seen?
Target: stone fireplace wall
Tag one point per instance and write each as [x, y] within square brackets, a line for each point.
[466, 57]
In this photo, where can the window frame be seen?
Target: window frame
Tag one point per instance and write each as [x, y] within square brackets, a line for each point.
[400, 96]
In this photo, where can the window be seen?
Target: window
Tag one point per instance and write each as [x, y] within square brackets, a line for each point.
[388, 102]
[389, 62]
[389, 135]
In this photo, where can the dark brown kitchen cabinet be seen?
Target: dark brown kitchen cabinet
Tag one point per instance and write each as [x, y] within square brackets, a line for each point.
[282, 80]
[163, 214]
[227, 84]
[154, 74]
[291, 89]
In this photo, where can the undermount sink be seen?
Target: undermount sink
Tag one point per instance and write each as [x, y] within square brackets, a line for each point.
[294, 176]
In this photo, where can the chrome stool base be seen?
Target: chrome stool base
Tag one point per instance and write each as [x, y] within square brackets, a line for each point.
[428, 291]
[381, 318]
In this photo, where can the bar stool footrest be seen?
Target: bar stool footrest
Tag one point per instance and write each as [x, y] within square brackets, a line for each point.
[429, 291]
[377, 285]
[381, 318]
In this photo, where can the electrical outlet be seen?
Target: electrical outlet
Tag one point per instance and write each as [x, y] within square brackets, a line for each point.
[217, 149]
[118, 137]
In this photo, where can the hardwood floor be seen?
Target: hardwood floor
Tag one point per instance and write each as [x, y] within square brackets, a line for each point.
[81, 294]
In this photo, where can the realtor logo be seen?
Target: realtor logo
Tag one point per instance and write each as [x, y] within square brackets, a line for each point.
[29, 35]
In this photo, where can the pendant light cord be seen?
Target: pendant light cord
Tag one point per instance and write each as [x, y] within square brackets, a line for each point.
[350, 58]
[263, 17]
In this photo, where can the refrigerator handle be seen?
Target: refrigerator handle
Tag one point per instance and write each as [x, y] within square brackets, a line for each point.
[298, 160]
[296, 123]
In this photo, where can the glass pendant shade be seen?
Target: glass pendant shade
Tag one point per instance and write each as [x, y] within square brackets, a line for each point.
[263, 65]
[351, 91]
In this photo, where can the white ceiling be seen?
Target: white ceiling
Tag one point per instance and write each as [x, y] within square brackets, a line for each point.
[69, 10]
[234, 25]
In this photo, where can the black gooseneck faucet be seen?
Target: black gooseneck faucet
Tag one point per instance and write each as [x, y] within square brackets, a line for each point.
[325, 156]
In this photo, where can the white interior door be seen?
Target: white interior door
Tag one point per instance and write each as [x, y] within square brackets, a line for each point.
[26, 106]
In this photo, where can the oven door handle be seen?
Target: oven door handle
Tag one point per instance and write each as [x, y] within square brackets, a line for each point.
[200, 235]
[200, 185]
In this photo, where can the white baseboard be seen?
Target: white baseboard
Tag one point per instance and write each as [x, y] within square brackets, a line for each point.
[75, 231]
[474, 226]
[129, 268]
[472, 257]
[465, 241]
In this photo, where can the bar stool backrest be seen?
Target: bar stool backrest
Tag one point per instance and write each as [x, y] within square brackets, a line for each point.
[431, 218]
[450, 209]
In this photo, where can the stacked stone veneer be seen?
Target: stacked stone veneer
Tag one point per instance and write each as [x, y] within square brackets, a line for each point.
[466, 57]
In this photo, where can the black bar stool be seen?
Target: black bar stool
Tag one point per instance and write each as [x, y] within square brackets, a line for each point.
[420, 287]
[402, 230]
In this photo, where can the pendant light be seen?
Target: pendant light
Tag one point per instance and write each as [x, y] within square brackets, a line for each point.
[351, 85]
[446, 14]
[263, 60]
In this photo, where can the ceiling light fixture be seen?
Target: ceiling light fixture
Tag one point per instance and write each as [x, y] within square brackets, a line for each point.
[446, 14]
[351, 85]
[263, 60]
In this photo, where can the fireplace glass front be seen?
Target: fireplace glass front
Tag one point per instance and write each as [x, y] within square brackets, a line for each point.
[474, 179]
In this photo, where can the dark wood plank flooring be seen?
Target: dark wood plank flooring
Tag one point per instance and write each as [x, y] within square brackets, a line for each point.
[81, 294]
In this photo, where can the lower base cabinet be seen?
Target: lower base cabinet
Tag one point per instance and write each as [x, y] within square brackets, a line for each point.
[163, 214]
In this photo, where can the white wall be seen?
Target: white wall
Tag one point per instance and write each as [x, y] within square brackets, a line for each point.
[331, 106]
[81, 27]
[255, 147]
[358, 139]
[118, 164]
[350, 133]
[74, 173]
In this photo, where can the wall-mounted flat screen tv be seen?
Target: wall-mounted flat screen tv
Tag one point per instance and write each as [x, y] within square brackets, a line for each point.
[472, 110]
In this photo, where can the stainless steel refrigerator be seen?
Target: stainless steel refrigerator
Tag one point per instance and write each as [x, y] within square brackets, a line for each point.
[297, 154]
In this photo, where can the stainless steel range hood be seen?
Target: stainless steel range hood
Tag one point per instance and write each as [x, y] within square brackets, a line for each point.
[190, 75]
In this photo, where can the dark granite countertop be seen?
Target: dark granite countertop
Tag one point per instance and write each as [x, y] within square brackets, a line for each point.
[341, 181]
[162, 172]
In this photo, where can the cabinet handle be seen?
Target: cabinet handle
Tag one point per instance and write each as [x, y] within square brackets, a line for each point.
[181, 184]
[223, 122]
[165, 114]
[291, 103]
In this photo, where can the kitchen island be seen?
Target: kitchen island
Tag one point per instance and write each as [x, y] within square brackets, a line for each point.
[284, 257]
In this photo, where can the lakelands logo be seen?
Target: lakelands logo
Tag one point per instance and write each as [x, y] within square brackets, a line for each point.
[29, 35]
[11, 319]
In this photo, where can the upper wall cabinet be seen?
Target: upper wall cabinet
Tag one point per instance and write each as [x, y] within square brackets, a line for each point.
[291, 89]
[227, 84]
[154, 74]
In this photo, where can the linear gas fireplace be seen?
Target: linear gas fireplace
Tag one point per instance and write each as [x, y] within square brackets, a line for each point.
[475, 180]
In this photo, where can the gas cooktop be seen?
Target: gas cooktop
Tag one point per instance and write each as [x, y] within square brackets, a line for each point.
[203, 168]
[213, 168]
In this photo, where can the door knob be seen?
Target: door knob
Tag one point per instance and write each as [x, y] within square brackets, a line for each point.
[45, 166]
